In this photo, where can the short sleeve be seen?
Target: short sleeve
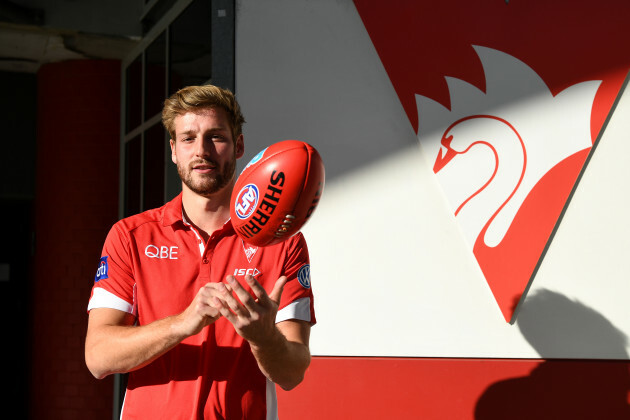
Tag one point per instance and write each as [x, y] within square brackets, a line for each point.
[297, 296]
[114, 284]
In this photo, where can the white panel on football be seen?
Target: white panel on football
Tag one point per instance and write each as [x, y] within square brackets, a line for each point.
[391, 272]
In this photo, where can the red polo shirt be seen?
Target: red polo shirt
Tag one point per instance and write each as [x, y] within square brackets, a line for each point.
[152, 266]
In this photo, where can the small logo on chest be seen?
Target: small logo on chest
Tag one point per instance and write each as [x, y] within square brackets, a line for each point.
[246, 271]
[162, 252]
[250, 251]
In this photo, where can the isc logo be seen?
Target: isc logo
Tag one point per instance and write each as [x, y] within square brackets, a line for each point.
[246, 271]
[246, 201]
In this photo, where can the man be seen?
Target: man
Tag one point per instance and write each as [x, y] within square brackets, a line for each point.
[171, 304]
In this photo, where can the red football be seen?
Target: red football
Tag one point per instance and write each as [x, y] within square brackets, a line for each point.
[277, 192]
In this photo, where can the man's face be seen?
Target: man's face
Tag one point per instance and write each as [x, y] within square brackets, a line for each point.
[204, 151]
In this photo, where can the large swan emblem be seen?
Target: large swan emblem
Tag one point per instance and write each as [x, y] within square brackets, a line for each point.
[492, 152]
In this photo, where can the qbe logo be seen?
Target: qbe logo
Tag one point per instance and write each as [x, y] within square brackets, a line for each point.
[246, 201]
[304, 276]
[101, 273]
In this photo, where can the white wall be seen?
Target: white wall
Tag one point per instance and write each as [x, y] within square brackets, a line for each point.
[391, 271]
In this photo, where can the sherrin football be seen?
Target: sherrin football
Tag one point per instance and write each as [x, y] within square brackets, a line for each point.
[277, 192]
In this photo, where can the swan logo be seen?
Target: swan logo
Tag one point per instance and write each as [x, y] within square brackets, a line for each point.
[497, 163]
[507, 129]
[249, 250]
[536, 105]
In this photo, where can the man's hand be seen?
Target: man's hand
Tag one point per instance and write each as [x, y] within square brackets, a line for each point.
[253, 317]
[115, 345]
[281, 350]
[201, 312]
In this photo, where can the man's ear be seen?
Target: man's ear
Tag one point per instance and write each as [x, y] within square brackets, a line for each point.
[240, 146]
[173, 154]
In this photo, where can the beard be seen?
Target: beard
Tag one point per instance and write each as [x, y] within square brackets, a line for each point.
[206, 185]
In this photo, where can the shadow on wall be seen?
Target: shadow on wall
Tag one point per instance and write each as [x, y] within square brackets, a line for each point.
[564, 389]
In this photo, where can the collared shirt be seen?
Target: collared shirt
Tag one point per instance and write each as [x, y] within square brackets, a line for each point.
[152, 265]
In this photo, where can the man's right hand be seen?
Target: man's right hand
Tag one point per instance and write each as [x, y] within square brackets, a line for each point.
[200, 313]
[114, 344]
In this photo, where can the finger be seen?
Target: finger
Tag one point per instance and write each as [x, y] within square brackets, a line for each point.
[210, 311]
[224, 310]
[276, 293]
[212, 289]
[245, 297]
[259, 291]
[230, 300]
[213, 286]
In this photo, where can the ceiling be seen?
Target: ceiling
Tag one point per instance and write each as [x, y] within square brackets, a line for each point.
[63, 30]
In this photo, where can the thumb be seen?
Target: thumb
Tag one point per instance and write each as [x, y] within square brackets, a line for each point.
[276, 293]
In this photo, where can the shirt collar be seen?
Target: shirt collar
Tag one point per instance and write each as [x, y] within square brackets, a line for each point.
[173, 212]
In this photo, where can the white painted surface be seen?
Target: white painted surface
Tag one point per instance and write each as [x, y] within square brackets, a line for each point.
[391, 272]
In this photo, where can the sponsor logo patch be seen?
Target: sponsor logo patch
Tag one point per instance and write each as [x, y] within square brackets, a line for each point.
[101, 273]
[161, 252]
[246, 201]
[304, 276]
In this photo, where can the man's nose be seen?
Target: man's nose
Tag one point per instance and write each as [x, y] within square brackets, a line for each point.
[203, 147]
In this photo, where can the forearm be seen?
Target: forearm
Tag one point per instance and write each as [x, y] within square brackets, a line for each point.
[281, 360]
[114, 345]
[119, 348]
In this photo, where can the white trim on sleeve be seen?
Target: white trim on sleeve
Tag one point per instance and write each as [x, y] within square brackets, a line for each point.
[101, 298]
[299, 309]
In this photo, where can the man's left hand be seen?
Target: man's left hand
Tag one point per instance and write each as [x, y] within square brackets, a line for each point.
[253, 317]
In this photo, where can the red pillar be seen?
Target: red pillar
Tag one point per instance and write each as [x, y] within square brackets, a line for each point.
[76, 203]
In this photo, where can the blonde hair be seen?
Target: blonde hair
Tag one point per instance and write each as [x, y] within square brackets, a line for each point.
[196, 98]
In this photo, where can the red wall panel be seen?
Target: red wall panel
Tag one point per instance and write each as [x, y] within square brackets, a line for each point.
[78, 121]
[462, 389]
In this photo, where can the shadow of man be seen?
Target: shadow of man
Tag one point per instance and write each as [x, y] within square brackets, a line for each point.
[559, 388]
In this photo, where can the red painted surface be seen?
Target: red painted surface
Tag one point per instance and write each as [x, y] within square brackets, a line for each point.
[78, 121]
[565, 42]
[461, 389]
